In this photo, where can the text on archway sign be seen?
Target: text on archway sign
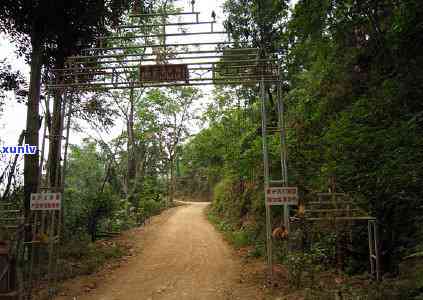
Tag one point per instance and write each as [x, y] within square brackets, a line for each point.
[46, 201]
[282, 196]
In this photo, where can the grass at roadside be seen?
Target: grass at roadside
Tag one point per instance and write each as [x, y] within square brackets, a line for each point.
[239, 238]
[86, 258]
[79, 258]
[83, 257]
[328, 283]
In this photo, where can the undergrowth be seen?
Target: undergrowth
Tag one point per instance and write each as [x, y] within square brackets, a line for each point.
[84, 258]
[239, 238]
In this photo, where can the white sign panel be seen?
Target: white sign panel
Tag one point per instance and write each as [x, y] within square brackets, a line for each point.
[46, 201]
[282, 195]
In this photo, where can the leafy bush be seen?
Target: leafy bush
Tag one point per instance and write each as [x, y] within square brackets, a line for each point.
[303, 265]
[240, 239]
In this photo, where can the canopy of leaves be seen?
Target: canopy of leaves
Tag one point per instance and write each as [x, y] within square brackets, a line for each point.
[11, 81]
[58, 25]
[257, 23]
[352, 71]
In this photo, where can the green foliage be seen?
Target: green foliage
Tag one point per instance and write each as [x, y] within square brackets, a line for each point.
[66, 28]
[354, 116]
[150, 207]
[259, 250]
[303, 266]
[10, 80]
[258, 23]
[89, 199]
[356, 112]
[85, 258]
[238, 238]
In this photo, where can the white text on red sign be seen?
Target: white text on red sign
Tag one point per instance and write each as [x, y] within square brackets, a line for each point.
[46, 201]
[282, 195]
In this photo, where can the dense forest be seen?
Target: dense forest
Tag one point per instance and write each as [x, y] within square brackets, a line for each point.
[352, 88]
[352, 74]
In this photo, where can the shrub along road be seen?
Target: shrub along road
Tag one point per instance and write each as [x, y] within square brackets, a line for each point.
[182, 257]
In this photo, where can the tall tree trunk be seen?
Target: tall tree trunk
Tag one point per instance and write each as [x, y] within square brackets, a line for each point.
[132, 168]
[12, 169]
[31, 164]
[55, 141]
[172, 179]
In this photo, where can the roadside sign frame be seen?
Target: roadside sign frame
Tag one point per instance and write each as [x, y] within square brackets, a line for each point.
[282, 196]
[46, 201]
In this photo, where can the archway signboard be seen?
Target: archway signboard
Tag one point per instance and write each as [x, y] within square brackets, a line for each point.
[164, 73]
[132, 59]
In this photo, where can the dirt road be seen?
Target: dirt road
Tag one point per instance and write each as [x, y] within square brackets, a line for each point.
[182, 256]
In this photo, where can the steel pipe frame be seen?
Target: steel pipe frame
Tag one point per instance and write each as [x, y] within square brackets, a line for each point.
[332, 194]
[192, 63]
[163, 15]
[123, 85]
[73, 77]
[366, 218]
[109, 86]
[71, 58]
[159, 35]
[266, 174]
[129, 68]
[99, 81]
[75, 58]
[209, 69]
[194, 77]
[169, 59]
[93, 83]
[103, 81]
[157, 46]
[167, 24]
[213, 51]
[131, 72]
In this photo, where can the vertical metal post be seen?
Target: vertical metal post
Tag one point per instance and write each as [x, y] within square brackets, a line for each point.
[282, 135]
[376, 249]
[51, 260]
[33, 217]
[283, 151]
[65, 156]
[59, 152]
[371, 247]
[266, 178]
[40, 171]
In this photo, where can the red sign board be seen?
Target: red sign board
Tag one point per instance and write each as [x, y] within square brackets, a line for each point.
[164, 73]
[282, 196]
[46, 201]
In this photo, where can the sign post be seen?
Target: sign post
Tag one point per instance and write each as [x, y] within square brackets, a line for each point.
[282, 195]
[46, 201]
[285, 196]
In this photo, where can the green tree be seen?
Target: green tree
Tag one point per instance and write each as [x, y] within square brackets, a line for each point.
[89, 195]
[354, 105]
[172, 112]
[48, 31]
